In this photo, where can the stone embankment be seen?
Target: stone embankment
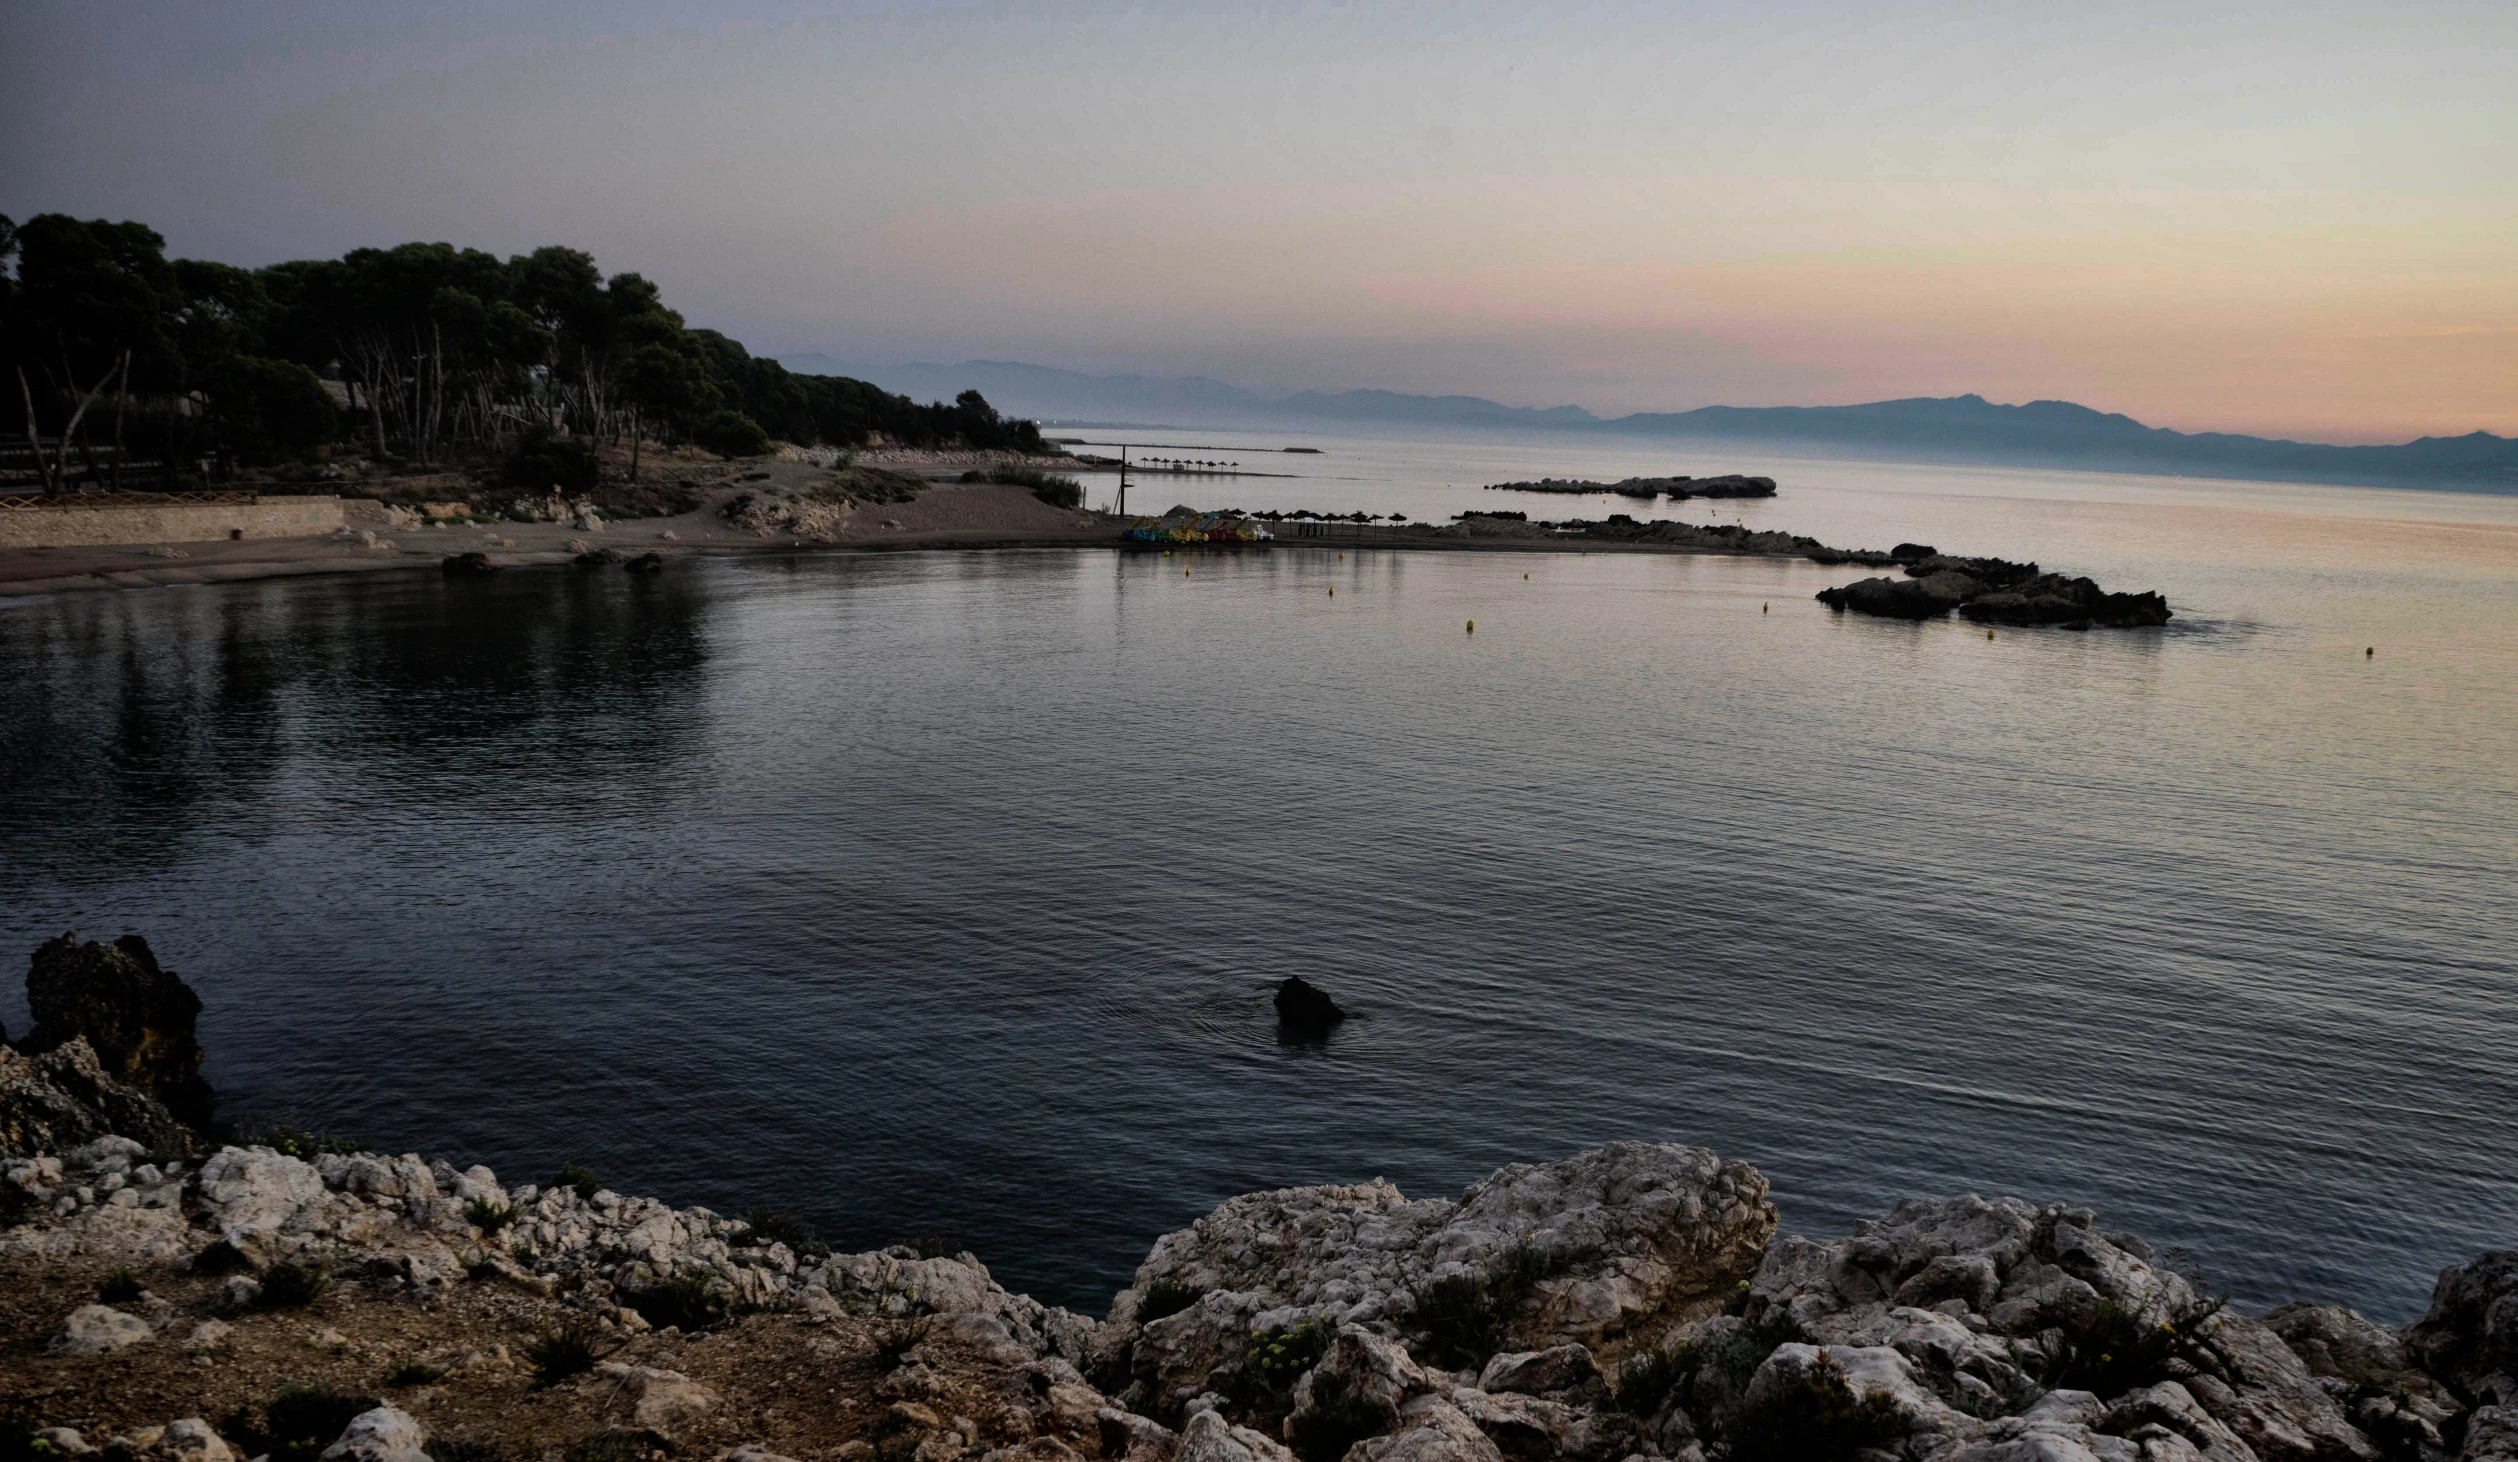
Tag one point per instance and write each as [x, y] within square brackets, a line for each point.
[1629, 1302]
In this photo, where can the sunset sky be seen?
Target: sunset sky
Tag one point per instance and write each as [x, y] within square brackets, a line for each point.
[2298, 220]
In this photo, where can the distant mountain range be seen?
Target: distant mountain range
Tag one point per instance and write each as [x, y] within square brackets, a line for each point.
[1931, 428]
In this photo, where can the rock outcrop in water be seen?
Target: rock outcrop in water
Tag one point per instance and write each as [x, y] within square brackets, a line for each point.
[1728, 485]
[1993, 591]
[1304, 1008]
[135, 1019]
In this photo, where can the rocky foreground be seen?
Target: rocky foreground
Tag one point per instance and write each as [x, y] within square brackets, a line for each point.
[1633, 1301]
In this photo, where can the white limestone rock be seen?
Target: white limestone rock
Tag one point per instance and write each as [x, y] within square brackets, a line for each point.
[386, 1434]
[1638, 1235]
[98, 1330]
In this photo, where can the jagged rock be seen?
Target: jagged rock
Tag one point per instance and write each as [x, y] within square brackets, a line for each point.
[1993, 573]
[1541, 1372]
[1925, 598]
[2057, 599]
[2056, 1271]
[256, 1190]
[136, 1017]
[1364, 1368]
[2469, 1336]
[1632, 1237]
[99, 1330]
[62, 1098]
[2491, 1435]
[386, 1434]
[192, 1440]
[467, 565]
[66, 1440]
[1208, 1437]
[660, 1400]
[1128, 1437]
[2394, 1403]
[1305, 1008]
[1435, 1430]
[2169, 1406]
[1535, 1428]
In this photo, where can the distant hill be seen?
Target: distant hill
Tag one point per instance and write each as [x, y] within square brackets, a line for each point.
[2062, 434]
[1049, 393]
[1928, 428]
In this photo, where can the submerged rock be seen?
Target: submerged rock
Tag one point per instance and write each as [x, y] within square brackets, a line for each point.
[650, 562]
[467, 565]
[1304, 1007]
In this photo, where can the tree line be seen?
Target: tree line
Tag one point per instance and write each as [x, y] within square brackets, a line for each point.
[438, 354]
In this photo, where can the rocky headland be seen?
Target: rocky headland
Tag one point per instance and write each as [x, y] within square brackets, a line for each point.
[177, 1298]
[1728, 485]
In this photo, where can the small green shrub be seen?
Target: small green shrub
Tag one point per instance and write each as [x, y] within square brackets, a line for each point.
[685, 1302]
[582, 1179]
[121, 1287]
[1324, 1433]
[295, 1425]
[1465, 1318]
[620, 1444]
[488, 1214]
[557, 1352]
[2119, 1348]
[288, 1139]
[1815, 1418]
[288, 1286]
[766, 1225]
[1058, 492]
[1737, 1354]
[413, 1373]
[1648, 1379]
[1165, 1298]
[544, 461]
[732, 434]
[897, 1340]
[1278, 1358]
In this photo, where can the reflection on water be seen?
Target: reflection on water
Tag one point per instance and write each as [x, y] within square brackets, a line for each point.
[942, 893]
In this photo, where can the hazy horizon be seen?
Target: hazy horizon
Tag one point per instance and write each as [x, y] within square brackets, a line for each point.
[2301, 227]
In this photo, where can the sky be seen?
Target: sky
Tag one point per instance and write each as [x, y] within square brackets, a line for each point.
[2299, 220]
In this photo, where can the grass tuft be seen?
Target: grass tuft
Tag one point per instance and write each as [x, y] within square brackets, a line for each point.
[287, 1286]
[1649, 1379]
[1465, 1318]
[413, 1373]
[580, 1178]
[121, 1287]
[685, 1302]
[1817, 1418]
[295, 1425]
[557, 1352]
[488, 1214]
[1165, 1298]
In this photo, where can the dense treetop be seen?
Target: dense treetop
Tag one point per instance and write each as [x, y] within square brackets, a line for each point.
[437, 351]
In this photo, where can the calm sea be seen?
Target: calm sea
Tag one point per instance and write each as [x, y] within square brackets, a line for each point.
[940, 894]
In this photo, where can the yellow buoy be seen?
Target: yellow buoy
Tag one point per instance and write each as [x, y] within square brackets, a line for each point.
[1525, 576]
[2370, 654]
[1333, 593]
[1473, 626]
[1765, 608]
[1989, 634]
[1184, 573]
